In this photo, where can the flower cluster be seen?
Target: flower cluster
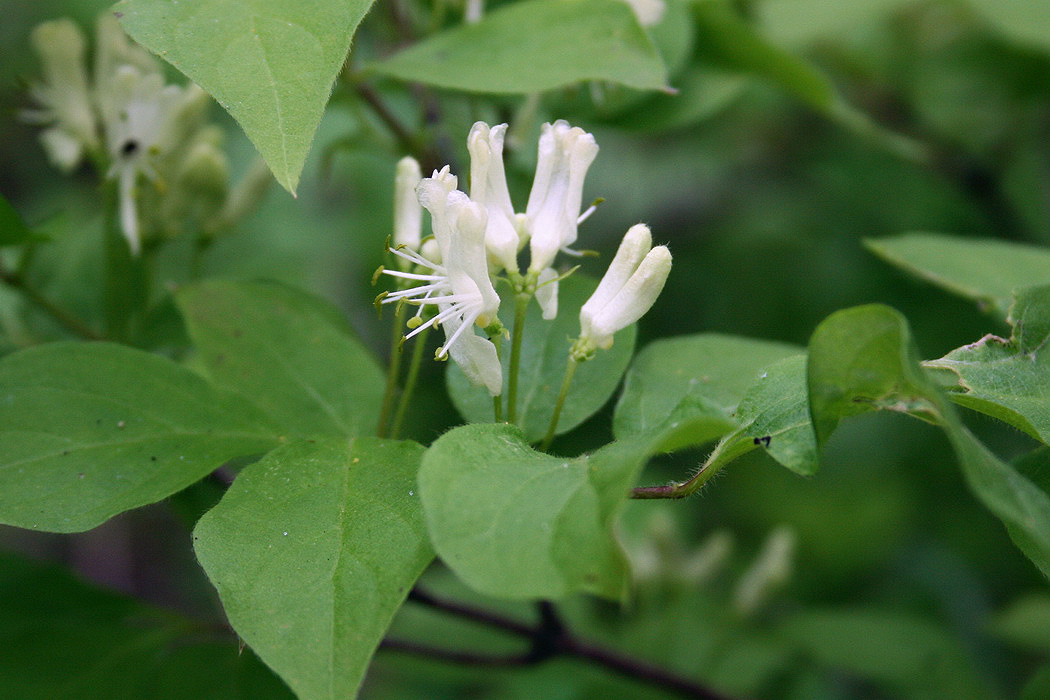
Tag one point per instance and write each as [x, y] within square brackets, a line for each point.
[137, 129]
[479, 236]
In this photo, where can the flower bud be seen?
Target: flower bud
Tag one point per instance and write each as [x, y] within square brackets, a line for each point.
[408, 214]
[63, 95]
[488, 187]
[629, 288]
[565, 154]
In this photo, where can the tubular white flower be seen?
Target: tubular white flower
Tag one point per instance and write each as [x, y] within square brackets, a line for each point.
[408, 214]
[459, 286]
[140, 115]
[629, 288]
[488, 187]
[63, 96]
[551, 216]
[547, 293]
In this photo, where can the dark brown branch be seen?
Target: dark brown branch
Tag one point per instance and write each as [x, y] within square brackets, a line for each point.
[549, 638]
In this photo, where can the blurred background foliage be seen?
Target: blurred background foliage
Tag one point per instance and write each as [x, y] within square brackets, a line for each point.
[902, 585]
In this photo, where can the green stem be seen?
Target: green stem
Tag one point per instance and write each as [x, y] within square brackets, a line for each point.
[570, 370]
[63, 317]
[728, 448]
[393, 371]
[521, 307]
[410, 383]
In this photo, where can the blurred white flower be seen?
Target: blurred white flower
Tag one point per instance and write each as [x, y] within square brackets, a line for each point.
[648, 12]
[408, 214]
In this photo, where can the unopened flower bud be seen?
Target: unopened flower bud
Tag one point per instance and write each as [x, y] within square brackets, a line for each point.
[408, 214]
[629, 288]
[770, 570]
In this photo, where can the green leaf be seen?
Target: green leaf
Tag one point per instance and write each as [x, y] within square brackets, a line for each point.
[13, 231]
[986, 271]
[907, 654]
[1026, 623]
[90, 430]
[288, 352]
[65, 640]
[1008, 379]
[313, 549]
[516, 523]
[1038, 686]
[774, 414]
[862, 359]
[544, 354]
[688, 388]
[533, 46]
[269, 63]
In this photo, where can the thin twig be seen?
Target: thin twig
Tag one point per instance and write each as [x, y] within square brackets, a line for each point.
[551, 638]
[465, 658]
[63, 317]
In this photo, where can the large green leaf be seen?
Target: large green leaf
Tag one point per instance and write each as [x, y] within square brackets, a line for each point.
[1008, 379]
[535, 45]
[1026, 623]
[862, 359]
[288, 352]
[90, 430]
[269, 63]
[909, 655]
[313, 549]
[986, 271]
[688, 388]
[516, 523]
[64, 640]
[544, 354]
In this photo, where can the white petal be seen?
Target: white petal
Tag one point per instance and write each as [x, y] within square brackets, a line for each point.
[634, 299]
[408, 214]
[488, 187]
[633, 249]
[547, 293]
[476, 356]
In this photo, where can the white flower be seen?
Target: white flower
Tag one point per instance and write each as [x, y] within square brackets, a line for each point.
[459, 286]
[143, 119]
[634, 279]
[488, 187]
[648, 12]
[65, 103]
[553, 211]
[408, 214]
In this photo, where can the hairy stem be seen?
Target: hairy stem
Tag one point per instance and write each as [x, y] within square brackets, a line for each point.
[410, 383]
[566, 382]
[393, 371]
[728, 448]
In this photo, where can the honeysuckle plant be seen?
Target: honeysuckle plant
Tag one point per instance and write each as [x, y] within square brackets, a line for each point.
[530, 482]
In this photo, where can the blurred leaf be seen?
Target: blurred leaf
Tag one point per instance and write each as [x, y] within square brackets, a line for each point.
[986, 271]
[907, 654]
[1038, 686]
[533, 46]
[728, 42]
[288, 352]
[800, 21]
[1025, 623]
[90, 430]
[516, 523]
[64, 640]
[313, 549]
[269, 63]
[544, 354]
[687, 388]
[1008, 379]
[862, 359]
[13, 231]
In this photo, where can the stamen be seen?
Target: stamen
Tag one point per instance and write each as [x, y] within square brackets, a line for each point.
[412, 275]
